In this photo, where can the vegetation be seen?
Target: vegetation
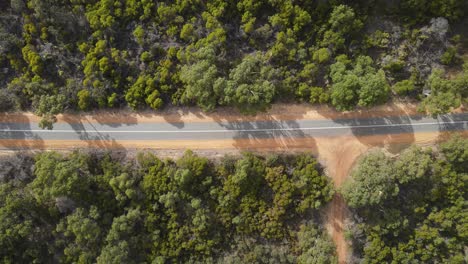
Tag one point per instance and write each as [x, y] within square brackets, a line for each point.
[83, 55]
[86, 208]
[411, 208]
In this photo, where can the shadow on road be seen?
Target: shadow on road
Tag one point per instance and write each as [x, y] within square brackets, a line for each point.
[14, 140]
[377, 130]
[112, 119]
[94, 140]
[266, 133]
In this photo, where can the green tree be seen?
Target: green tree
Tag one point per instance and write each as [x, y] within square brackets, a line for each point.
[82, 235]
[341, 24]
[123, 243]
[58, 177]
[251, 85]
[414, 163]
[455, 151]
[359, 85]
[199, 79]
[371, 182]
[321, 55]
[48, 107]
[449, 55]
[421, 221]
[374, 89]
[313, 187]
[84, 99]
[23, 227]
[143, 91]
[404, 87]
[445, 94]
[344, 94]
[315, 246]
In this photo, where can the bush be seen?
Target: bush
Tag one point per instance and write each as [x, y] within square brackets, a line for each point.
[403, 87]
[318, 95]
[449, 56]
[394, 66]
[83, 99]
[322, 55]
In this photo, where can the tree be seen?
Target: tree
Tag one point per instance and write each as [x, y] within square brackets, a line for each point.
[371, 182]
[125, 187]
[7, 101]
[23, 228]
[57, 177]
[315, 246]
[421, 221]
[186, 33]
[445, 94]
[82, 235]
[440, 103]
[251, 85]
[143, 91]
[341, 25]
[193, 175]
[449, 55]
[404, 87]
[414, 163]
[360, 85]
[313, 187]
[123, 242]
[344, 94]
[321, 55]
[374, 90]
[455, 151]
[83, 99]
[46, 101]
[199, 79]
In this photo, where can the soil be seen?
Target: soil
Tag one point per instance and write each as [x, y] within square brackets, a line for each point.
[192, 114]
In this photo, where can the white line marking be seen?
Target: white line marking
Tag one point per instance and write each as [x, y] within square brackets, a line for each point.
[229, 130]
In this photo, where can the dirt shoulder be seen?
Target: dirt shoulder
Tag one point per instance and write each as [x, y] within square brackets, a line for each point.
[192, 114]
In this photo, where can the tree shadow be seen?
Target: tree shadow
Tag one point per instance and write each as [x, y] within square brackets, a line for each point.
[397, 132]
[94, 138]
[16, 134]
[389, 130]
[173, 115]
[455, 122]
[266, 133]
[110, 118]
[392, 133]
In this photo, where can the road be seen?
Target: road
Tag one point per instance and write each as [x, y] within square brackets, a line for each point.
[232, 130]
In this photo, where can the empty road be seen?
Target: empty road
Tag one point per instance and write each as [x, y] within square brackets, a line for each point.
[92, 131]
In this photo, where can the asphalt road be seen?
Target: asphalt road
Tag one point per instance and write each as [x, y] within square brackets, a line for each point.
[234, 130]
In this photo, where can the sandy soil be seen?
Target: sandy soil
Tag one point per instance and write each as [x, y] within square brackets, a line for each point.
[180, 115]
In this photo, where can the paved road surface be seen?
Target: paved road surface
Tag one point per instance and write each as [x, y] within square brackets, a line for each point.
[233, 130]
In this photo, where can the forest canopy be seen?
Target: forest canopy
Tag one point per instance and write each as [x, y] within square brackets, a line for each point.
[104, 208]
[410, 208]
[71, 55]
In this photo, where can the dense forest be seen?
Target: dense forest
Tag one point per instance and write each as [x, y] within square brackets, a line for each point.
[411, 208]
[59, 55]
[99, 207]
[106, 208]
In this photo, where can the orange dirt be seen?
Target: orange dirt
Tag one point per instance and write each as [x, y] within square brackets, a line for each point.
[176, 115]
